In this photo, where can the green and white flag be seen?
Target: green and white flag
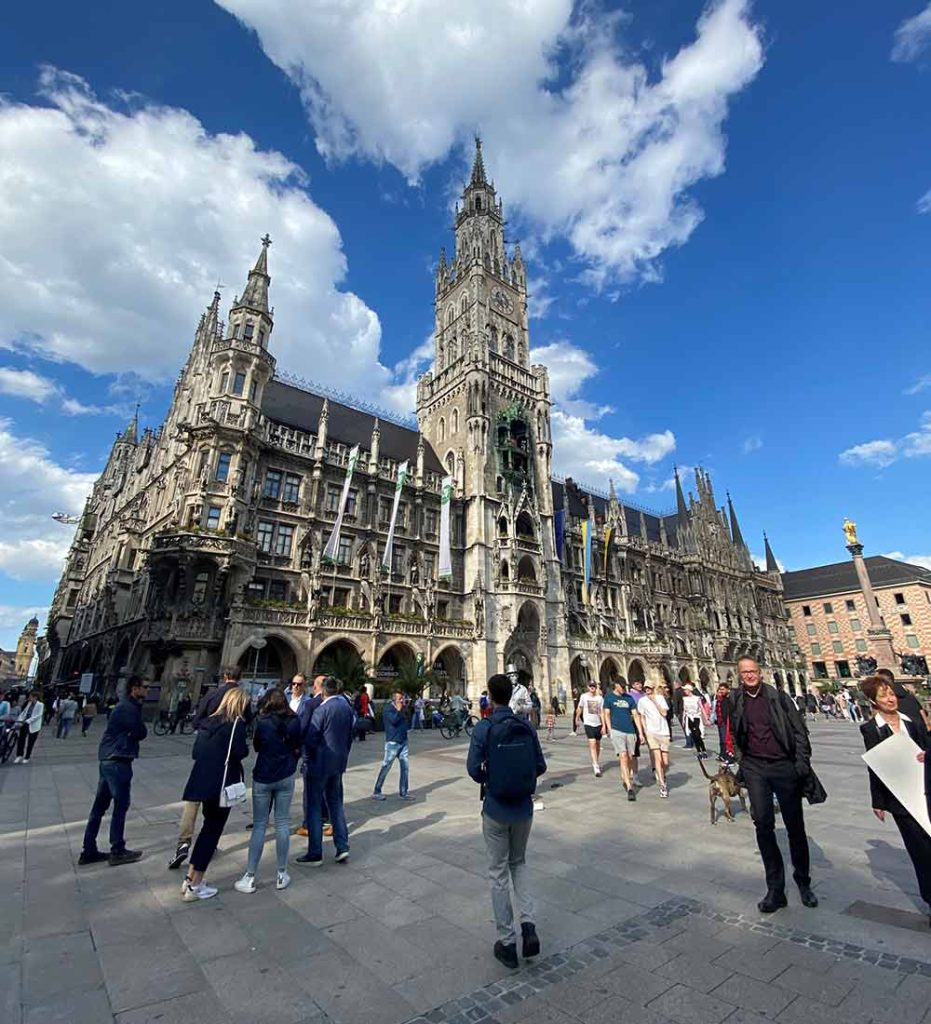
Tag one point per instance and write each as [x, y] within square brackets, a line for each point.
[332, 545]
[402, 476]
[446, 560]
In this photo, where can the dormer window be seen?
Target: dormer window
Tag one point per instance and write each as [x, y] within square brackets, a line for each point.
[239, 383]
[478, 202]
[224, 381]
[262, 336]
[249, 330]
[236, 329]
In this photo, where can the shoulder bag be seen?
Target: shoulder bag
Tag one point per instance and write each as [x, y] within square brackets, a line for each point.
[235, 793]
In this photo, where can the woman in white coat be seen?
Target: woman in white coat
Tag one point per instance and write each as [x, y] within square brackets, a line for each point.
[31, 718]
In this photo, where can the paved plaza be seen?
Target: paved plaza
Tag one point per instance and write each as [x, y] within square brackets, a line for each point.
[646, 912]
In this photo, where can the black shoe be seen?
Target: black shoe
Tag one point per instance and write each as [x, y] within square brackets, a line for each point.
[531, 941]
[507, 954]
[808, 898]
[94, 857]
[631, 795]
[305, 858]
[772, 902]
[125, 857]
[180, 856]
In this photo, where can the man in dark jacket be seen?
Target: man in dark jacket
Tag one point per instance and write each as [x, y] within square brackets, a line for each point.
[326, 747]
[396, 748]
[505, 758]
[772, 745]
[305, 713]
[119, 747]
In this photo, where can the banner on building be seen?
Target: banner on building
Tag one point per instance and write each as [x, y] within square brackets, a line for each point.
[398, 487]
[559, 526]
[607, 532]
[332, 545]
[446, 558]
[587, 526]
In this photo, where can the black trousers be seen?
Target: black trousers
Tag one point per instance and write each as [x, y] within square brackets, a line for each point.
[918, 846]
[765, 779]
[25, 743]
[694, 725]
[205, 846]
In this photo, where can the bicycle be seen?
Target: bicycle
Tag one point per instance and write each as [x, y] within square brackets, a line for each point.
[9, 734]
[453, 724]
[162, 726]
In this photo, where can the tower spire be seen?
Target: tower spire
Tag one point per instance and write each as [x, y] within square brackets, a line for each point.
[478, 165]
[771, 564]
[682, 510]
[736, 535]
[255, 295]
[131, 433]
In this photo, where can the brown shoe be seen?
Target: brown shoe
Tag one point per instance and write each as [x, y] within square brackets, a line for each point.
[302, 831]
[328, 830]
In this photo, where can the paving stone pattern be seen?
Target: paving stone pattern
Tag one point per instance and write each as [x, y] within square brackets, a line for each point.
[646, 912]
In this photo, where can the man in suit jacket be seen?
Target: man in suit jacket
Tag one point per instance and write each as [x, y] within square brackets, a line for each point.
[772, 745]
[887, 720]
[326, 748]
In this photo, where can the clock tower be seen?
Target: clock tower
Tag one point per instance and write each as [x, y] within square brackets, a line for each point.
[486, 411]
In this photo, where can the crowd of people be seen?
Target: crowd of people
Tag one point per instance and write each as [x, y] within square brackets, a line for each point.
[309, 727]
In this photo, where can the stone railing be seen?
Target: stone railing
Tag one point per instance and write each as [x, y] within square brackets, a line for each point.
[258, 616]
[295, 441]
[343, 622]
[527, 588]
[210, 543]
[458, 630]
[404, 627]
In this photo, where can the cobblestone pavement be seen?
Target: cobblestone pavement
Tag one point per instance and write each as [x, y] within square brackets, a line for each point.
[646, 912]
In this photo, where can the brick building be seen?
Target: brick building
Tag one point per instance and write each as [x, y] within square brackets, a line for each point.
[829, 618]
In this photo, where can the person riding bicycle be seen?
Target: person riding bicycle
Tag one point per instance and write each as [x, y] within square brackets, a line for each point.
[459, 708]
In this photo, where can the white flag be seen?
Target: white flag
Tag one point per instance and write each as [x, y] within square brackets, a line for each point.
[402, 476]
[446, 560]
[332, 545]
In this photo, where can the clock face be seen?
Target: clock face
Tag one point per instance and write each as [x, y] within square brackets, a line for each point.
[502, 300]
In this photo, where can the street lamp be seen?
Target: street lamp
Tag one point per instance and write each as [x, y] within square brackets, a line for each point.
[258, 644]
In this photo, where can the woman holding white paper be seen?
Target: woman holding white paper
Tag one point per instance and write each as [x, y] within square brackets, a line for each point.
[886, 722]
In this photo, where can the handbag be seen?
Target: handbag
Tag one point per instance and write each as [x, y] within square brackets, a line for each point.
[236, 792]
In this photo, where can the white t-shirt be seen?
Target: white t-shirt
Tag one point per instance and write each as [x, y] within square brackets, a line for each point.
[691, 706]
[591, 705]
[653, 712]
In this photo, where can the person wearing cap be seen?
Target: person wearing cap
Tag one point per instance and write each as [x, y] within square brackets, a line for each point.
[590, 712]
[654, 713]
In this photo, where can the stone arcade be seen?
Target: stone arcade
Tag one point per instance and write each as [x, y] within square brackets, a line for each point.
[202, 539]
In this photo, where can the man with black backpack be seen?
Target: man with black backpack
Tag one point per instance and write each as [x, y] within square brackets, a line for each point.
[505, 759]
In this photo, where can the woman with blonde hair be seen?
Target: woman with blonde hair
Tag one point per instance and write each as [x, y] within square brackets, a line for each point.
[219, 750]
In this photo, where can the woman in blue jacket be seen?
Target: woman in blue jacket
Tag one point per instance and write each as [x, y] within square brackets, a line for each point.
[219, 750]
[277, 743]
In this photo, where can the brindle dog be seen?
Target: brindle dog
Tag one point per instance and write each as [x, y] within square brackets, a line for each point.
[725, 786]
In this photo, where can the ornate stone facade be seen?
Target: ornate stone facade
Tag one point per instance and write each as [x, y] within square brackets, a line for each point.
[202, 539]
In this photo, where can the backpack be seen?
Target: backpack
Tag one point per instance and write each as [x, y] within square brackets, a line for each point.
[511, 762]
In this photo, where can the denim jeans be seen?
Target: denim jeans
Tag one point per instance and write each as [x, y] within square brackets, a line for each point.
[394, 751]
[264, 794]
[113, 785]
[64, 727]
[327, 788]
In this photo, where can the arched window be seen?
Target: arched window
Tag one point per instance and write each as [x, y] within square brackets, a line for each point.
[450, 313]
[454, 429]
[505, 571]
[442, 428]
[452, 351]
[451, 464]
[509, 347]
[493, 339]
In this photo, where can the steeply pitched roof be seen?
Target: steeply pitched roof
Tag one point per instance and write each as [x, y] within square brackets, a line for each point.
[841, 577]
[293, 407]
[577, 507]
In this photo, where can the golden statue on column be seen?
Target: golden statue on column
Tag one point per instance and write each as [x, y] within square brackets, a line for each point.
[850, 531]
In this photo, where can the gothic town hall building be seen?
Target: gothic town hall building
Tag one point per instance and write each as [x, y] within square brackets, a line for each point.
[202, 539]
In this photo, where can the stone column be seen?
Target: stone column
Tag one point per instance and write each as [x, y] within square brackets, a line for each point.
[880, 639]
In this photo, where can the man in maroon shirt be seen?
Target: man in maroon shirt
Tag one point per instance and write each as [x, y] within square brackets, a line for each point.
[772, 745]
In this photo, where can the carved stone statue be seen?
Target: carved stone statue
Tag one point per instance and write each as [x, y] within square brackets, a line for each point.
[850, 531]
[364, 563]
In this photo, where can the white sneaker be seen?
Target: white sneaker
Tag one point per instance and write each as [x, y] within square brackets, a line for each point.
[284, 880]
[245, 884]
[191, 893]
[597, 770]
[25, 760]
[18, 760]
[664, 791]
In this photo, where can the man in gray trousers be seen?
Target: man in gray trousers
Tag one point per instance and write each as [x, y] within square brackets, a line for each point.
[506, 759]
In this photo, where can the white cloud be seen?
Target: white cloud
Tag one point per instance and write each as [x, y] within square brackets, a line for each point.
[923, 560]
[884, 452]
[912, 36]
[33, 486]
[752, 444]
[181, 207]
[760, 562]
[13, 617]
[924, 203]
[26, 384]
[579, 450]
[588, 142]
[922, 384]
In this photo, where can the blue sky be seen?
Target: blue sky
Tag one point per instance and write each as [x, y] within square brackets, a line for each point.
[721, 206]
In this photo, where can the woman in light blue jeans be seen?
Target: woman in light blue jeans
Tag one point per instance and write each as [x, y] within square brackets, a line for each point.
[277, 742]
